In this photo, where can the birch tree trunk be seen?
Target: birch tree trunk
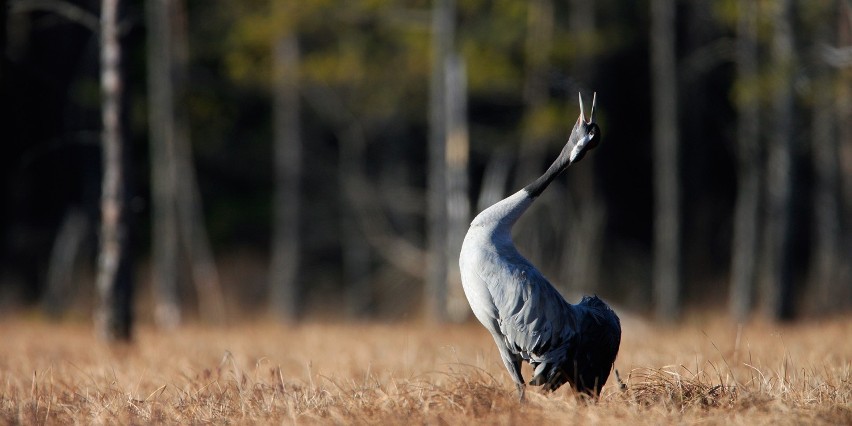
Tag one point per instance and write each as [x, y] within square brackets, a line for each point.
[746, 210]
[458, 199]
[777, 274]
[113, 317]
[286, 247]
[667, 226]
[442, 42]
[164, 181]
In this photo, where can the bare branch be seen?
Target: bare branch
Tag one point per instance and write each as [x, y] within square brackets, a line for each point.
[65, 9]
[368, 205]
[837, 57]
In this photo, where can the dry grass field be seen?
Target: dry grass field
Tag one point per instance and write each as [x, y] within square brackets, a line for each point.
[704, 371]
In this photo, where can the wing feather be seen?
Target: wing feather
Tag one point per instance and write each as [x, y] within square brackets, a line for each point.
[531, 314]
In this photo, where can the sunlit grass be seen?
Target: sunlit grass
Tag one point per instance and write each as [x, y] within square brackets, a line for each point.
[709, 372]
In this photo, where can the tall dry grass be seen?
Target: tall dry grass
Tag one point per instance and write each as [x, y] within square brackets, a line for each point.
[704, 371]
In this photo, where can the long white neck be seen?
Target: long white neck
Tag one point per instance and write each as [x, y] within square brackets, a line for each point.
[506, 212]
[502, 215]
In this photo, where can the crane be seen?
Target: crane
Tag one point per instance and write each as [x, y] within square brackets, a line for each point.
[528, 318]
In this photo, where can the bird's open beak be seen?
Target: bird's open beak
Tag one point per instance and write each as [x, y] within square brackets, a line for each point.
[594, 101]
[582, 109]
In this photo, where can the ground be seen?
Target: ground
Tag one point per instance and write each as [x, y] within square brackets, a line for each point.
[704, 370]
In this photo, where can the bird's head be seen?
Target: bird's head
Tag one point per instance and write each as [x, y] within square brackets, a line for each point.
[584, 137]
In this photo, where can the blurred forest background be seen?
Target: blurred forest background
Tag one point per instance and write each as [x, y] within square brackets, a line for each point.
[323, 158]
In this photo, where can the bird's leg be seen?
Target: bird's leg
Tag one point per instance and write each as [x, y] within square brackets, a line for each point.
[621, 385]
[512, 363]
[521, 391]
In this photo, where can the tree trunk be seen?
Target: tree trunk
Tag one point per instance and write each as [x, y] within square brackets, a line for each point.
[777, 274]
[286, 248]
[667, 226]
[843, 121]
[211, 302]
[533, 147]
[442, 46]
[64, 255]
[824, 268]
[583, 246]
[177, 215]
[354, 245]
[4, 10]
[746, 210]
[537, 50]
[367, 226]
[164, 180]
[494, 179]
[113, 317]
[458, 199]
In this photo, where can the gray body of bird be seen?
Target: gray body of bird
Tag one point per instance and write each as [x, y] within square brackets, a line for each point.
[528, 318]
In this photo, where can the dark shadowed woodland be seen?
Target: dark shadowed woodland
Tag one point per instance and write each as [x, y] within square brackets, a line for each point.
[172, 161]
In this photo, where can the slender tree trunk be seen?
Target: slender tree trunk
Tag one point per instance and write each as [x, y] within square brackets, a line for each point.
[537, 50]
[746, 210]
[581, 23]
[442, 45]
[164, 181]
[533, 147]
[582, 253]
[382, 233]
[580, 264]
[843, 121]
[286, 248]
[113, 316]
[354, 245]
[356, 201]
[777, 276]
[177, 215]
[205, 275]
[458, 199]
[825, 263]
[64, 258]
[494, 180]
[193, 233]
[667, 226]
[4, 10]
